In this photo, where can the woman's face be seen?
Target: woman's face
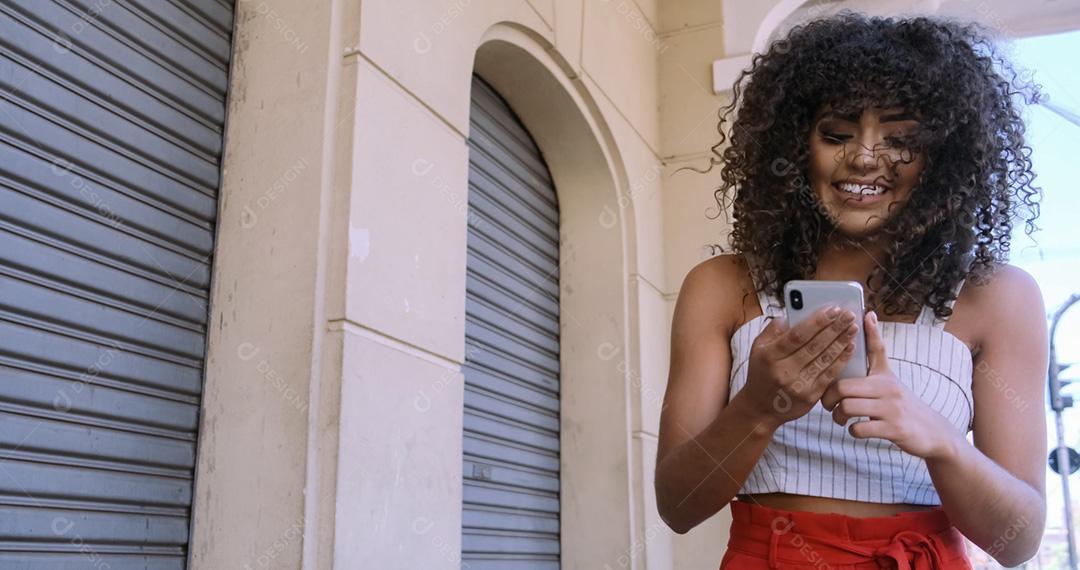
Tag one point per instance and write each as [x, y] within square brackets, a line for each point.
[860, 170]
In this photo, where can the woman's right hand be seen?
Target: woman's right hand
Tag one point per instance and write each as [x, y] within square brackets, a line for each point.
[790, 368]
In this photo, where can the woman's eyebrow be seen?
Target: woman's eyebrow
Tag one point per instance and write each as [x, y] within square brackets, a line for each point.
[852, 118]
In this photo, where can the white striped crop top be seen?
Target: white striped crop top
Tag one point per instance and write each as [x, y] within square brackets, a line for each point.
[814, 456]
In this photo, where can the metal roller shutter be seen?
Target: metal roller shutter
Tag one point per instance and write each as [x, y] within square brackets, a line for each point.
[111, 120]
[510, 516]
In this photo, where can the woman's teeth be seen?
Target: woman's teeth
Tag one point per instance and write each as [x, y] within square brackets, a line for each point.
[863, 190]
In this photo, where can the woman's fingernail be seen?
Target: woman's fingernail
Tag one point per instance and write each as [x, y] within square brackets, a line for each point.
[873, 316]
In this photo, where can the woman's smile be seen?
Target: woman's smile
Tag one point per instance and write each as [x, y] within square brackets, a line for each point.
[862, 195]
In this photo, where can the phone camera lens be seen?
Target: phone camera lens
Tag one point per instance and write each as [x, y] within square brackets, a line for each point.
[796, 299]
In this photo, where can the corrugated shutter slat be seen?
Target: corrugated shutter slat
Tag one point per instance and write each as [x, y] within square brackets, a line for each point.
[510, 517]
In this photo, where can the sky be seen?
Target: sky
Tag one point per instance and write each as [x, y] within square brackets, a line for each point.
[1052, 254]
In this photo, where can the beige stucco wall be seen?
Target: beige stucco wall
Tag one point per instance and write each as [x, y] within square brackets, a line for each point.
[266, 295]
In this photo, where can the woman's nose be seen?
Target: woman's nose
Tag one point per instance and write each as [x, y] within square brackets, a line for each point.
[864, 157]
[869, 153]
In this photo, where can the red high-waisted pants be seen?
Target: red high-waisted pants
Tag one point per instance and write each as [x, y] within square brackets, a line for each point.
[765, 538]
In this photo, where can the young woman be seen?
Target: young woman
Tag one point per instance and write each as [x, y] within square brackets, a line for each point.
[889, 152]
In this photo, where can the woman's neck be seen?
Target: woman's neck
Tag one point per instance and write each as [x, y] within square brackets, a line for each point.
[849, 262]
[855, 262]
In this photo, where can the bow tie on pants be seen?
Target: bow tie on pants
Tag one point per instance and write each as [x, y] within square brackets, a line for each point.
[908, 549]
[765, 538]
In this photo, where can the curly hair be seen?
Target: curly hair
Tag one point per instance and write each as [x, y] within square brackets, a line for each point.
[977, 173]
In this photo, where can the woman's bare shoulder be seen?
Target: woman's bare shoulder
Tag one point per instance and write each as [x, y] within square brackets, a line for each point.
[1005, 284]
[1007, 299]
[727, 267]
[718, 287]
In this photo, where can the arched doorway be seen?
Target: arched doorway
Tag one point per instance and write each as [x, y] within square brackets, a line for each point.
[510, 503]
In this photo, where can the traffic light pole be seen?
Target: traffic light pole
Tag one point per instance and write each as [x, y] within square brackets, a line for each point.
[1058, 403]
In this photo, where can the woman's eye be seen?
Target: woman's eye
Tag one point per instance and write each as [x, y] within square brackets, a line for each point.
[837, 138]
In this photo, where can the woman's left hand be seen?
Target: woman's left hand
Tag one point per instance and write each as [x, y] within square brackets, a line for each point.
[896, 413]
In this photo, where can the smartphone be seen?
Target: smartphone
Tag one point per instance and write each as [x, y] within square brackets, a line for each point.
[804, 297]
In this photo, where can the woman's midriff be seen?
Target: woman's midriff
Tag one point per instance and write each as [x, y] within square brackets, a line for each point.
[791, 502]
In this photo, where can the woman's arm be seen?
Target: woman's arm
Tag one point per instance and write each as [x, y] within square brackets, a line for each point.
[994, 492]
[706, 449]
